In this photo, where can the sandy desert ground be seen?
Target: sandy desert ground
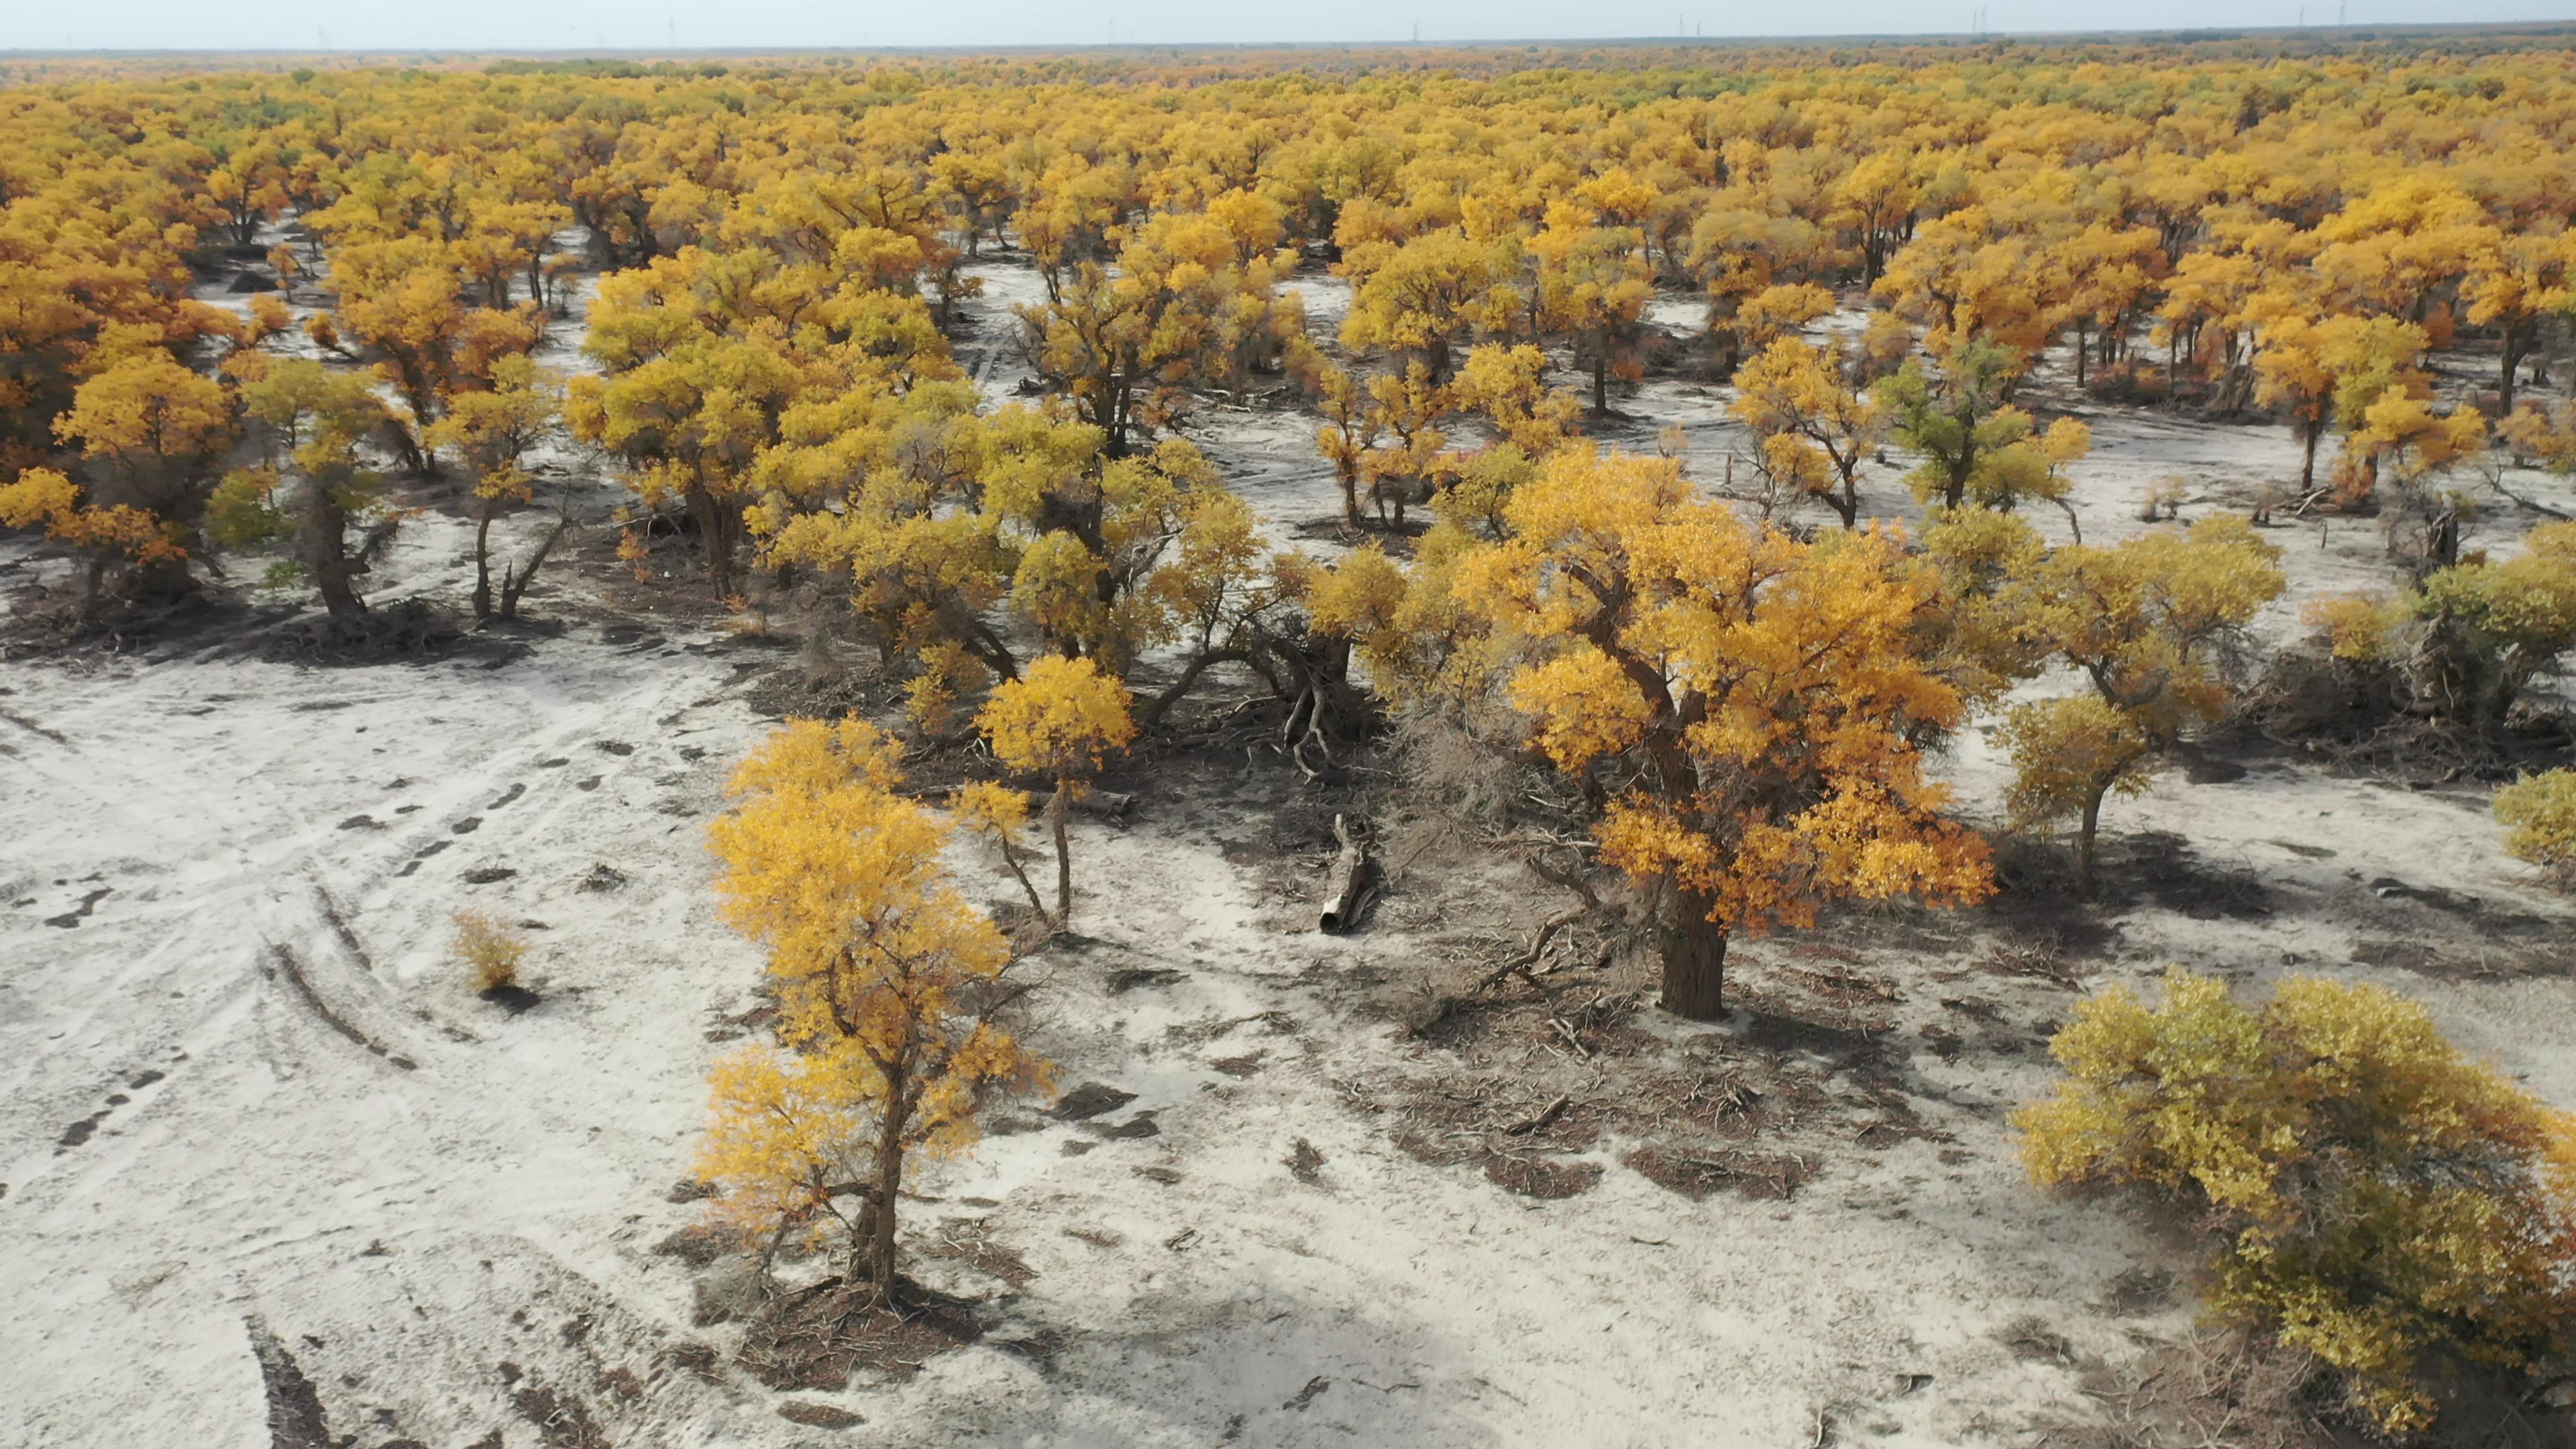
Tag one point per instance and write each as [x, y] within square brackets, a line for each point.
[266, 1152]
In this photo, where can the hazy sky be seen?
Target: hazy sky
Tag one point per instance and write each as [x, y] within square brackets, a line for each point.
[632, 24]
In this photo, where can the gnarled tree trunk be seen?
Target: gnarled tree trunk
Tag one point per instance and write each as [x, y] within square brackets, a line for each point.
[1694, 953]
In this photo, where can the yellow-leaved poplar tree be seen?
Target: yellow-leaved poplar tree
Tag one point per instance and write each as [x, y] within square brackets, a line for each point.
[2373, 1195]
[2148, 622]
[884, 977]
[1063, 718]
[1771, 697]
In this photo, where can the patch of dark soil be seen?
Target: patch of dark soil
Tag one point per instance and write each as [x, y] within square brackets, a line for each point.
[1140, 1125]
[700, 1359]
[488, 874]
[1697, 1172]
[562, 1420]
[80, 1132]
[697, 1245]
[818, 1416]
[1091, 1099]
[2135, 1291]
[295, 1417]
[24, 723]
[292, 968]
[2204, 770]
[970, 1241]
[89, 902]
[2228, 1386]
[1396, 539]
[602, 878]
[1237, 1067]
[516, 1000]
[816, 1337]
[2036, 903]
[1451, 1022]
[2033, 1341]
[2175, 878]
[1778, 1021]
[407, 631]
[2473, 958]
[362, 822]
[57, 626]
[1540, 1177]
[1041, 1348]
[1138, 977]
[1304, 1163]
[793, 691]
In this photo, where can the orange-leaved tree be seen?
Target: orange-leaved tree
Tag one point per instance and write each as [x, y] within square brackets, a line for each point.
[884, 976]
[153, 435]
[1062, 718]
[1770, 697]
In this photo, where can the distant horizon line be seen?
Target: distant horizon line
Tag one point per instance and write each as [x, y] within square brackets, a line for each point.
[2168, 33]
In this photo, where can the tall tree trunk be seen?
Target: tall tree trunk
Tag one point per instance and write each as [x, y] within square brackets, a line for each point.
[712, 516]
[1694, 952]
[326, 544]
[1057, 809]
[515, 582]
[2085, 835]
[1601, 382]
[483, 565]
[878, 1245]
[2512, 362]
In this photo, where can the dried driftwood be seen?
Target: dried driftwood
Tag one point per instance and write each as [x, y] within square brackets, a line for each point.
[1353, 880]
[1589, 904]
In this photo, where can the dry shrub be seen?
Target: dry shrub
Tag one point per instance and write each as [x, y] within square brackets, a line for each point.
[1460, 786]
[2539, 811]
[490, 949]
[2369, 1194]
[2246, 1390]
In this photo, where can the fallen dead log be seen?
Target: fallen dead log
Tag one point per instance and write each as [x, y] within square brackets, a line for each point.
[1109, 805]
[1352, 880]
[1544, 1120]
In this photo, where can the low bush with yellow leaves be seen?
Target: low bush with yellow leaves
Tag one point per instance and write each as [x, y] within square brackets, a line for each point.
[2466, 643]
[490, 949]
[2539, 815]
[2375, 1197]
